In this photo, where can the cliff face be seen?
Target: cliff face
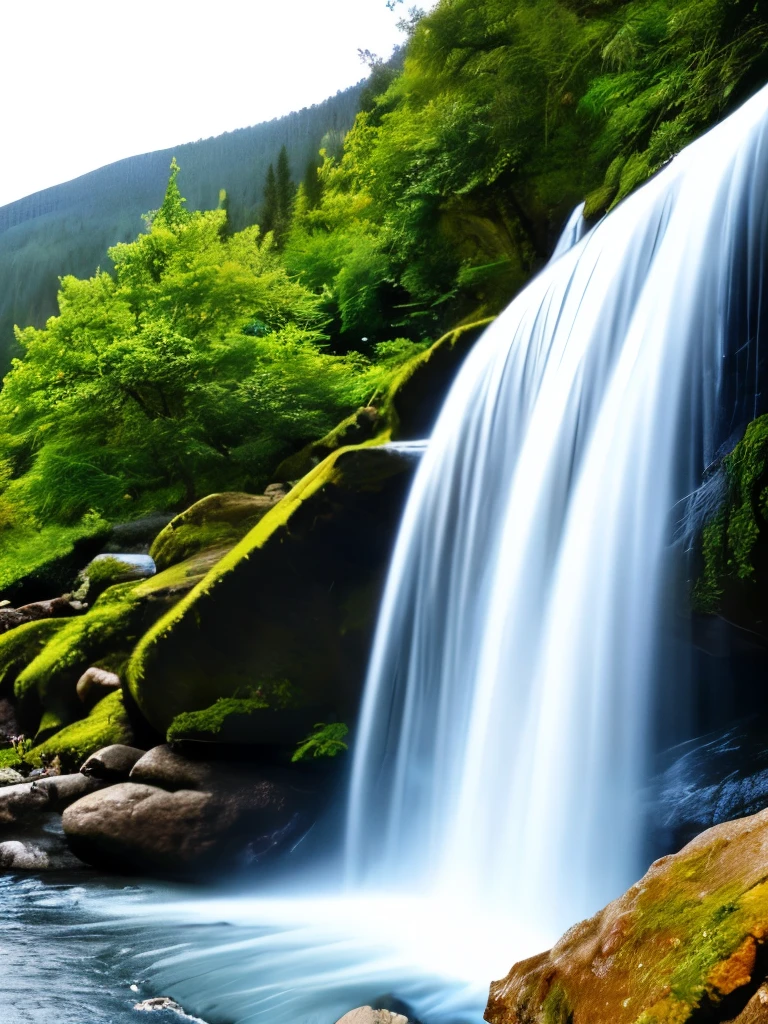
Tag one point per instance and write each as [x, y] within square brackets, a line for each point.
[686, 943]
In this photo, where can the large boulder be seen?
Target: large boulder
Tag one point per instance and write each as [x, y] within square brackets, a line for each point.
[179, 817]
[46, 660]
[686, 943]
[286, 617]
[216, 522]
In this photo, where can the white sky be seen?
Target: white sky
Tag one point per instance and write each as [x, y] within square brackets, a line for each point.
[86, 82]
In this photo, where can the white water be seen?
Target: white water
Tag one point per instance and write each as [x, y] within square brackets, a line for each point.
[505, 732]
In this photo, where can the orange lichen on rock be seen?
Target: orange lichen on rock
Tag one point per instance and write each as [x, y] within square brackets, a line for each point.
[734, 972]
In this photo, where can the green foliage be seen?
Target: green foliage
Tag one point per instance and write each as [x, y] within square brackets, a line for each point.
[325, 741]
[107, 723]
[210, 720]
[26, 550]
[161, 363]
[729, 539]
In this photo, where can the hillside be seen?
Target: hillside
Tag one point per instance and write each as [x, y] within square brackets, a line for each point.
[67, 229]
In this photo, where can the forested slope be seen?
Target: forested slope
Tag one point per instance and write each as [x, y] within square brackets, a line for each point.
[67, 229]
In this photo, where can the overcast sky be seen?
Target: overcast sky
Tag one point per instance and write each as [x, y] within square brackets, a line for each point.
[86, 82]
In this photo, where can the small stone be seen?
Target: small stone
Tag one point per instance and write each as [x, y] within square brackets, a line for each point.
[163, 1003]
[10, 777]
[114, 762]
[96, 683]
[367, 1015]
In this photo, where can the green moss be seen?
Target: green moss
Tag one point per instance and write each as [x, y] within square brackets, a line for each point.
[20, 646]
[730, 538]
[106, 724]
[555, 1009]
[209, 721]
[217, 521]
[45, 555]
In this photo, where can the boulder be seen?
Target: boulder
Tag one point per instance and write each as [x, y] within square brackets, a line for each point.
[686, 943]
[53, 608]
[217, 521]
[31, 855]
[48, 794]
[47, 674]
[235, 821]
[287, 616]
[96, 683]
[162, 766]
[10, 777]
[367, 1015]
[113, 763]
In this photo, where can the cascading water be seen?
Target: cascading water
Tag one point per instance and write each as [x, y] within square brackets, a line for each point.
[507, 722]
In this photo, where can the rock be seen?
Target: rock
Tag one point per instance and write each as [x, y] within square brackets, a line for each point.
[367, 1015]
[106, 725]
[136, 536]
[46, 679]
[165, 1003]
[114, 762]
[686, 943]
[218, 521]
[277, 491]
[55, 607]
[164, 767]
[9, 725]
[53, 793]
[10, 777]
[288, 615]
[19, 855]
[10, 618]
[137, 827]
[96, 683]
[108, 570]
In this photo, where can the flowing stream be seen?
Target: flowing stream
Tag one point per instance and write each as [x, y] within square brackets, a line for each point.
[523, 658]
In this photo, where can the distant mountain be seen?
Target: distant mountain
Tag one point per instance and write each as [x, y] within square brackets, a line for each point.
[67, 229]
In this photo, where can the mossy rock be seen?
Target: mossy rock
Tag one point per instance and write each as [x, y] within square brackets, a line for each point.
[107, 723]
[252, 721]
[217, 521]
[277, 606]
[406, 412]
[20, 646]
[687, 943]
[44, 688]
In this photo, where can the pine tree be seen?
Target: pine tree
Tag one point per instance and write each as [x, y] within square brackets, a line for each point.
[313, 186]
[285, 190]
[173, 212]
[269, 211]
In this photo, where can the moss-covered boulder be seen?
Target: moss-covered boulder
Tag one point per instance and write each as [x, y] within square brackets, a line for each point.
[405, 412]
[287, 614]
[217, 521]
[46, 662]
[687, 943]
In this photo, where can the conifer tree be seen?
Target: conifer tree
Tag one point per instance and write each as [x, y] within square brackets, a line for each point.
[285, 190]
[269, 213]
[313, 187]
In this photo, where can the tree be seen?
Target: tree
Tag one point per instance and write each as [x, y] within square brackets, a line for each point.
[285, 191]
[269, 211]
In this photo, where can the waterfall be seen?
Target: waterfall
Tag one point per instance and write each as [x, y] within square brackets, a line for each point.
[522, 667]
[505, 735]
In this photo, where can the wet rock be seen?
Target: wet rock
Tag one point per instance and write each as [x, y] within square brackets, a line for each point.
[10, 777]
[164, 767]
[28, 855]
[96, 683]
[53, 793]
[54, 608]
[367, 1015]
[166, 1004]
[10, 618]
[114, 762]
[687, 942]
[134, 826]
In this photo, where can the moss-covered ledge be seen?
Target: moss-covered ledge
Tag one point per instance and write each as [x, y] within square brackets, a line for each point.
[294, 601]
[406, 411]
